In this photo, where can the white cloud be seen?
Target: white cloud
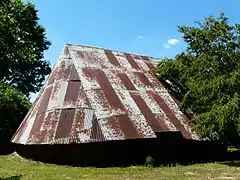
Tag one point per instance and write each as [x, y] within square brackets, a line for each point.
[171, 42]
[167, 46]
[140, 37]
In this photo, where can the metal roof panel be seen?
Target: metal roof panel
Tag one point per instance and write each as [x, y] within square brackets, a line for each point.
[95, 94]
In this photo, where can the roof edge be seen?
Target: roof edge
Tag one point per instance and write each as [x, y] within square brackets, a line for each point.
[155, 59]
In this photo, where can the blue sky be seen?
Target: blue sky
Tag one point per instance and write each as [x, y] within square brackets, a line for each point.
[146, 27]
[139, 26]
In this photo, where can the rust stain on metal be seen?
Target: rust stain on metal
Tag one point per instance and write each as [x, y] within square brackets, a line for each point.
[81, 54]
[77, 125]
[136, 56]
[109, 92]
[65, 123]
[66, 51]
[52, 125]
[34, 134]
[23, 125]
[61, 72]
[114, 124]
[111, 57]
[170, 115]
[126, 81]
[64, 70]
[127, 127]
[122, 125]
[74, 75]
[73, 88]
[41, 112]
[90, 58]
[155, 82]
[94, 94]
[131, 61]
[145, 58]
[52, 77]
[98, 98]
[83, 101]
[96, 132]
[44, 129]
[150, 65]
[148, 114]
[44, 100]
[162, 122]
[20, 131]
[143, 79]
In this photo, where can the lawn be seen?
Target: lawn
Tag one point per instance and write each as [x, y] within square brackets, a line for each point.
[13, 167]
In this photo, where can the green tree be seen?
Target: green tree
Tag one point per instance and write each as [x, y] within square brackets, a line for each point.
[22, 43]
[13, 107]
[22, 67]
[206, 77]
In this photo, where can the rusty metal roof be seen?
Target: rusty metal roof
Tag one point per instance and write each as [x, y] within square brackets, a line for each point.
[95, 94]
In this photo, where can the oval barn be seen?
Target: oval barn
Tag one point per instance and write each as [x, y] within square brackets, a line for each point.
[100, 106]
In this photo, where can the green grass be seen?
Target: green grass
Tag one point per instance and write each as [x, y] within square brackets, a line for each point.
[11, 166]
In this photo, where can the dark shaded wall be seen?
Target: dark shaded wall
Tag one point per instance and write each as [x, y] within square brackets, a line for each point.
[167, 148]
[6, 147]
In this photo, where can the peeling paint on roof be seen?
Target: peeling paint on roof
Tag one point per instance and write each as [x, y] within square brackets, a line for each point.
[94, 94]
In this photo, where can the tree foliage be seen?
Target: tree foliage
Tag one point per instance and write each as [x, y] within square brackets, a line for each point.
[22, 67]
[206, 77]
[13, 107]
[22, 43]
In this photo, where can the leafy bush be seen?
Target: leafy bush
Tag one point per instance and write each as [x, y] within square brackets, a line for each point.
[149, 161]
[13, 108]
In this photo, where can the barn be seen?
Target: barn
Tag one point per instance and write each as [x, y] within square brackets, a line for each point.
[104, 107]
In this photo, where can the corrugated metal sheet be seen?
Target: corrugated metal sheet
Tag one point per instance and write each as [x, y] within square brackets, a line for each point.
[94, 94]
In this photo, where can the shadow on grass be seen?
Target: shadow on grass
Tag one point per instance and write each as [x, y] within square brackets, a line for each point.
[234, 163]
[233, 160]
[12, 178]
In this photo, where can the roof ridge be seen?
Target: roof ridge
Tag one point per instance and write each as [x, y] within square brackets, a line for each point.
[98, 47]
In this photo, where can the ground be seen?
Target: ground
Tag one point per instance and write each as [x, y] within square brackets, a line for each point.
[14, 167]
